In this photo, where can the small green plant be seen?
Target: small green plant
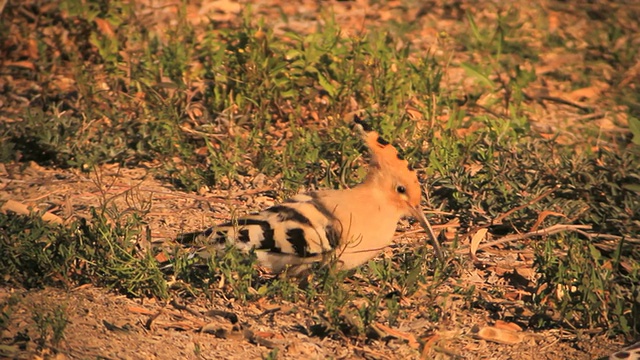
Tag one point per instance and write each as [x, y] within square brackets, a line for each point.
[393, 310]
[118, 260]
[50, 324]
[586, 288]
[101, 250]
[285, 288]
[6, 311]
[634, 127]
[197, 351]
[272, 355]
[237, 270]
[35, 253]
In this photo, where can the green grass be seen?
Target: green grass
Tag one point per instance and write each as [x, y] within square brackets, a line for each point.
[50, 325]
[214, 106]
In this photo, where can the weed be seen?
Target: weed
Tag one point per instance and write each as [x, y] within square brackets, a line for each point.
[585, 287]
[50, 324]
[94, 250]
[35, 252]
[197, 351]
[6, 311]
[272, 355]
[237, 270]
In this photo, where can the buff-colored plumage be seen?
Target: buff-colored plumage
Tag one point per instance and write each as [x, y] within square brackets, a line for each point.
[631, 352]
[350, 226]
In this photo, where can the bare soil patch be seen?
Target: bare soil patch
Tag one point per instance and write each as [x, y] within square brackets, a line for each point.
[104, 324]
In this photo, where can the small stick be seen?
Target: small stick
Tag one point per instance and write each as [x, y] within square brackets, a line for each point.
[499, 219]
[558, 100]
[543, 232]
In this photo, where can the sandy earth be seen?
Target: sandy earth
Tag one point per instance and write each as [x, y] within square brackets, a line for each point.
[104, 324]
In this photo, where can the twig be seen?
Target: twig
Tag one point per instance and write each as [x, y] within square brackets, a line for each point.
[491, 112]
[155, 191]
[499, 219]
[3, 3]
[557, 100]
[450, 353]
[515, 237]
[608, 237]
[270, 311]
[40, 197]
[232, 317]
[593, 116]
[202, 133]
[417, 231]
[178, 306]
[152, 318]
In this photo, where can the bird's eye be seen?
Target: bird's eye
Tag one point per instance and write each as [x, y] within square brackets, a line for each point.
[401, 189]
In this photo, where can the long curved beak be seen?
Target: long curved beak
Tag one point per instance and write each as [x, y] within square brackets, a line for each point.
[417, 213]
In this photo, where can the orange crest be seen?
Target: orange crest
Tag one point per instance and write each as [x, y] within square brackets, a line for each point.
[387, 162]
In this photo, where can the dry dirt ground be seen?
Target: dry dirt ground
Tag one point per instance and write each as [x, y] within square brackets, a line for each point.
[103, 324]
[106, 325]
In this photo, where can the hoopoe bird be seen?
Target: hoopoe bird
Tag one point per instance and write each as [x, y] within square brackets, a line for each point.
[350, 226]
[631, 352]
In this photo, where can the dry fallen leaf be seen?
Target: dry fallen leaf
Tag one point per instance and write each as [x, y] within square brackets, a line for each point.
[475, 242]
[504, 325]
[428, 345]
[139, 310]
[411, 340]
[473, 169]
[498, 335]
[21, 64]
[542, 216]
[526, 272]
[584, 93]
[22, 209]
[161, 257]
[105, 27]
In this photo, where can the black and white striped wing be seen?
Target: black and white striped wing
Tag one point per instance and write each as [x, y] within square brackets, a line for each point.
[300, 230]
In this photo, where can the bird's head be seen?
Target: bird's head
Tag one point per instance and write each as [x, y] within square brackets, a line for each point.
[391, 173]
